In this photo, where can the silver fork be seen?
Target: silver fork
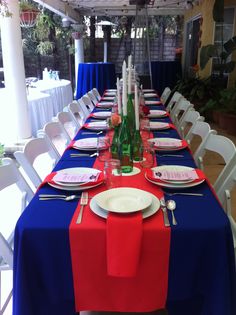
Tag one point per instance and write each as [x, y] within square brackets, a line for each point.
[83, 202]
[171, 155]
[165, 214]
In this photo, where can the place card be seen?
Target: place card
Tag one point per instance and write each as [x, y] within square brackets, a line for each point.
[75, 178]
[174, 175]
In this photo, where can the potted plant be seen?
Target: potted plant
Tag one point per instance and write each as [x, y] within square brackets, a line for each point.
[227, 117]
[28, 13]
[4, 10]
[1, 152]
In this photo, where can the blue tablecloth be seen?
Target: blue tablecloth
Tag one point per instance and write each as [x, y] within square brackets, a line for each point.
[165, 73]
[202, 278]
[95, 75]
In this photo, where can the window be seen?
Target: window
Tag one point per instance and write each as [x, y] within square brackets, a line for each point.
[223, 32]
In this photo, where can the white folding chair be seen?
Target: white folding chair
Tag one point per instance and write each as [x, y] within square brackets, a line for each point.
[67, 121]
[165, 94]
[88, 103]
[179, 110]
[57, 135]
[92, 97]
[200, 130]
[188, 121]
[83, 108]
[77, 113]
[174, 101]
[37, 159]
[223, 187]
[218, 144]
[10, 177]
[96, 93]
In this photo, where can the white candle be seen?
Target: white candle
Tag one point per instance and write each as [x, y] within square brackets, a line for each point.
[118, 95]
[124, 96]
[129, 73]
[136, 107]
[130, 62]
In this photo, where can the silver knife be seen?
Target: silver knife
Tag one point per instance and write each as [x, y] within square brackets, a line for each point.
[165, 214]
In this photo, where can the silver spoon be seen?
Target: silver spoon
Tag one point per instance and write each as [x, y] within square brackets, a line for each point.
[171, 205]
[67, 198]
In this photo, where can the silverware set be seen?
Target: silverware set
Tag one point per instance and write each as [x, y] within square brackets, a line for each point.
[83, 154]
[83, 201]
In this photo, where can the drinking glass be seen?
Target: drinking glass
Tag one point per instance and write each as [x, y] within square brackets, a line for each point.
[148, 155]
[113, 174]
[103, 148]
[145, 129]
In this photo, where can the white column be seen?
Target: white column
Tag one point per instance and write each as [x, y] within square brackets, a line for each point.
[16, 114]
[79, 48]
[105, 52]
[79, 56]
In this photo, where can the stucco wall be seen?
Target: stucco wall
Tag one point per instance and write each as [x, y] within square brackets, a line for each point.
[205, 9]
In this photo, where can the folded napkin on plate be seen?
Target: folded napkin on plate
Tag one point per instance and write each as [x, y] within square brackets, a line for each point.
[124, 235]
[173, 143]
[50, 179]
[175, 175]
[75, 178]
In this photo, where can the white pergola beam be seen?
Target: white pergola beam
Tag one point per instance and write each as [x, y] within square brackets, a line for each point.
[120, 12]
[61, 8]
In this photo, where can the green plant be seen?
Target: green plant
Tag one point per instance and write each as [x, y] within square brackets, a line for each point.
[27, 6]
[2, 150]
[196, 89]
[225, 102]
[4, 10]
[223, 52]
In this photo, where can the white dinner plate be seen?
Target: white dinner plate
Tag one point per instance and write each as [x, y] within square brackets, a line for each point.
[77, 186]
[149, 211]
[111, 90]
[110, 94]
[148, 90]
[150, 95]
[96, 126]
[109, 98]
[174, 184]
[156, 125]
[78, 144]
[123, 200]
[155, 113]
[101, 115]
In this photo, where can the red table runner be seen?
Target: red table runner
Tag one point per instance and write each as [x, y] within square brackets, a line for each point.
[94, 289]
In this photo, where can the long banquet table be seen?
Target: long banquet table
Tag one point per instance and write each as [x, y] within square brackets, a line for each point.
[201, 272]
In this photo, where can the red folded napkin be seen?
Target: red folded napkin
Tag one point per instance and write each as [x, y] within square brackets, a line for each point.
[150, 175]
[124, 236]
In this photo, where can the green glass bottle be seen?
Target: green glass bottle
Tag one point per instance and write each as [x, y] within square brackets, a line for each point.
[131, 114]
[125, 147]
[137, 146]
[115, 143]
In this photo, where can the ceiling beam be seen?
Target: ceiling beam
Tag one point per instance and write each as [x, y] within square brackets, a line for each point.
[120, 12]
[61, 8]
